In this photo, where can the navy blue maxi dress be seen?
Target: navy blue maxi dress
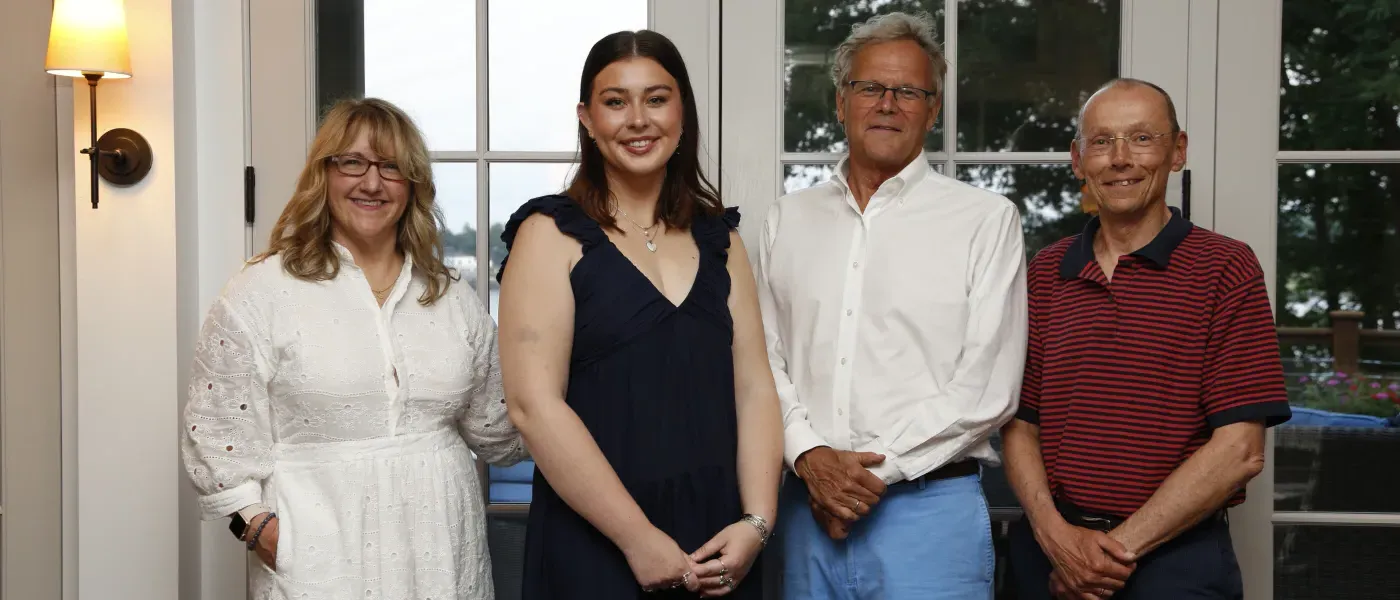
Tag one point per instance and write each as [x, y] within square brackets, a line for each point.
[654, 384]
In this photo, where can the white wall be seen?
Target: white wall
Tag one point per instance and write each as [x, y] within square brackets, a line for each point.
[126, 358]
[145, 265]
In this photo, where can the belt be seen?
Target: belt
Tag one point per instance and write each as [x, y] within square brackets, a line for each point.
[1100, 522]
[962, 468]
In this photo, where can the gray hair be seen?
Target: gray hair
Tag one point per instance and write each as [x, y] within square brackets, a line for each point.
[890, 27]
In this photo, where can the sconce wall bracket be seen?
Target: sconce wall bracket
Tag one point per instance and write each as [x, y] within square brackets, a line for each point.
[124, 157]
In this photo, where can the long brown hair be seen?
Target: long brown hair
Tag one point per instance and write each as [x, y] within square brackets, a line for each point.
[686, 191]
[302, 235]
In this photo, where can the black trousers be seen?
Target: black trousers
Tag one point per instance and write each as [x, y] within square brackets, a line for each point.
[1197, 565]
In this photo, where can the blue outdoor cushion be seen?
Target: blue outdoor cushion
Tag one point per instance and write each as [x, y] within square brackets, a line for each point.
[1312, 417]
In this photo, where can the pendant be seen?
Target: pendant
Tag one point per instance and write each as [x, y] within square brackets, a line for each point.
[651, 245]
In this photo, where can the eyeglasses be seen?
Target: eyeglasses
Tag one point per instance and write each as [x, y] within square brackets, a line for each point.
[872, 91]
[355, 165]
[1138, 143]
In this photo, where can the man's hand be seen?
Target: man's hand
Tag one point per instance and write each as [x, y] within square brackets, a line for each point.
[840, 482]
[835, 528]
[1088, 563]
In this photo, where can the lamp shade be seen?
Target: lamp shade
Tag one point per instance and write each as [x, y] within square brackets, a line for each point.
[88, 36]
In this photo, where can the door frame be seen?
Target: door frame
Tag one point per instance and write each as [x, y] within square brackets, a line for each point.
[35, 162]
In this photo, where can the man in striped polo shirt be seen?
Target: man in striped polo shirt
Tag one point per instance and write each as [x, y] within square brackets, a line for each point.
[1152, 370]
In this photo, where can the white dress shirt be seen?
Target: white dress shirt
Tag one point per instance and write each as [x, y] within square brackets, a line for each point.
[900, 329]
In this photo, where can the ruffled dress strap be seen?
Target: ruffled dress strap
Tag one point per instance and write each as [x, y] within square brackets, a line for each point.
[568, 217]
[712, 233]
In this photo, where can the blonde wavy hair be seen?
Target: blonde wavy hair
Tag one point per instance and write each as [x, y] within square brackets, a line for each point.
[302, 235]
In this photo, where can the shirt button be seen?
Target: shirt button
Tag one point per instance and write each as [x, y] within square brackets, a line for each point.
[848, 312]
[840, 412]
[843, 361]
[855, 265]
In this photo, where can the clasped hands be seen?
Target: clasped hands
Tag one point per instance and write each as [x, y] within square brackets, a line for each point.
[1088, 564]
[714, 570]
[841, 489]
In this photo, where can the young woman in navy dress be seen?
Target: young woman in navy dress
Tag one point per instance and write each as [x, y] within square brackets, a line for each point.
[633, 355]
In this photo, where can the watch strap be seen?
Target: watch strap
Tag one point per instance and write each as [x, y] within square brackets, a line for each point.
[238, 525]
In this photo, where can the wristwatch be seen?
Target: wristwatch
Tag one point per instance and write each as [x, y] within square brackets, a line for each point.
[239, 524]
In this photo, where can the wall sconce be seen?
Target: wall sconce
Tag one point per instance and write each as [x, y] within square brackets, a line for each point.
[87, 38]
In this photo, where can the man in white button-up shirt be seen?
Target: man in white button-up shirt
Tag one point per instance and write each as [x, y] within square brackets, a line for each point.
[894, 304]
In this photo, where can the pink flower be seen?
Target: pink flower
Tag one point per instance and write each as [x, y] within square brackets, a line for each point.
[1394, 387]
[1341, 375]
[1382, 396]
[1375, 385]
[1303, 379]
[1332, 382]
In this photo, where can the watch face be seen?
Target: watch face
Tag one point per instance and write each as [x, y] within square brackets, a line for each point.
[237, 526]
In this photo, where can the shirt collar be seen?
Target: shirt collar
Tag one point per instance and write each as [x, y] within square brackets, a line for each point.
[901, 182]
[1158, 251]
[348, 259]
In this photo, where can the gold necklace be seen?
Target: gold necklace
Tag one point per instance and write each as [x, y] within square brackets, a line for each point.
[646, 231]
[379, 294]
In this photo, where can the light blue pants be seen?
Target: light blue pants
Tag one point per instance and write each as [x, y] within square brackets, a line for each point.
[928, 541]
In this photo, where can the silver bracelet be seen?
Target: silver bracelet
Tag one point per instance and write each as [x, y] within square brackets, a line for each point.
[758, 523]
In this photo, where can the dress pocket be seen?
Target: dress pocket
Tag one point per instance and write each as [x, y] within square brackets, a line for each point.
[316, 504]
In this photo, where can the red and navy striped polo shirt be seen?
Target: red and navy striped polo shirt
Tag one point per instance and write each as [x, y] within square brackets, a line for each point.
[1128, 378]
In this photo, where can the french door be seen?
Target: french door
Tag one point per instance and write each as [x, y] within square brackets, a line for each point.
[1018, 71]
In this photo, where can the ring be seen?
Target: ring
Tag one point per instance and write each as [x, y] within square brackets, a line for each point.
[857, 504]
[726, 581]
[685, 579]
[722, 567]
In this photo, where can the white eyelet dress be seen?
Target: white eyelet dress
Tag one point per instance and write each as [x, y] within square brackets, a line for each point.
[356, 423]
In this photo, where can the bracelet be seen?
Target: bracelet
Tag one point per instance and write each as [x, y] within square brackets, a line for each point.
[758, 523]
[253, 541]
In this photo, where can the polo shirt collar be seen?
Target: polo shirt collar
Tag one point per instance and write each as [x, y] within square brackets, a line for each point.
[1158, 251]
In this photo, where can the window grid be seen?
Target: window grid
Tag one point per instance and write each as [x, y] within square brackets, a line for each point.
[483, 157]
[950, 157]
[1332, 518]
[1335, 157]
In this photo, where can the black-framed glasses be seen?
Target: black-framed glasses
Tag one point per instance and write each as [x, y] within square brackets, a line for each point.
[1141, 142]
[355, 165]
[874, 91]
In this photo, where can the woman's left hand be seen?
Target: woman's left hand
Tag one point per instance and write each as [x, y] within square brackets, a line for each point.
[726, 559]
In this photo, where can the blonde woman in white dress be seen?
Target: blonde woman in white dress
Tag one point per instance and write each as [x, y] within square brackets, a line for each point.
[341, 379]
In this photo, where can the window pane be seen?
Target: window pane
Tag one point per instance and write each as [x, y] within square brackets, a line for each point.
[456, 197]
[513, 184]
[1340, 88]
[535, 65]
[1025, 67]
[1048, 196]
[1339, 268]
[1318, 562]
[801, 177]
[421, 55]
[813, 29]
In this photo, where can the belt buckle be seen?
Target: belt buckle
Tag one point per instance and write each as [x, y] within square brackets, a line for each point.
[1097, 523]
